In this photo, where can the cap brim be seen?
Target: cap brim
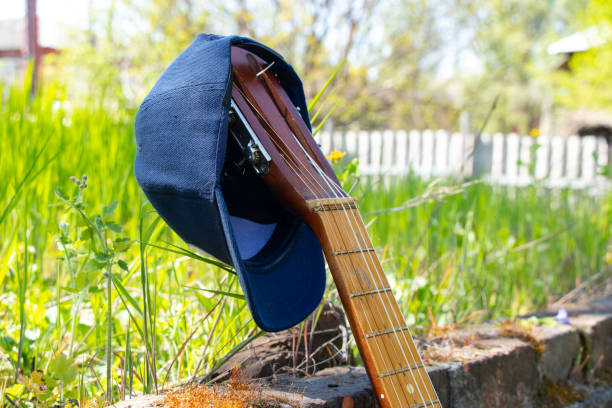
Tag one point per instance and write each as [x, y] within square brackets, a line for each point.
[290, 288]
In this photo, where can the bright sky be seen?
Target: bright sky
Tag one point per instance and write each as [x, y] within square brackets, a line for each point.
[57, 17]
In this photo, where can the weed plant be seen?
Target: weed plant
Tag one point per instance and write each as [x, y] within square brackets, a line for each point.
[101, 300]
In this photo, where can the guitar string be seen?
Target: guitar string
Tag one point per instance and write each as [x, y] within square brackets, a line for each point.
[400, 345]
[290, 160]
[408, 340]
[374, 258]
[385, 355]
[297, 170]
[268, 83]
[339, 191]
[279, 146]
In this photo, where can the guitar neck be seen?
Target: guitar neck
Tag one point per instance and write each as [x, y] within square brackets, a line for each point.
[298, 173]
[395, 368]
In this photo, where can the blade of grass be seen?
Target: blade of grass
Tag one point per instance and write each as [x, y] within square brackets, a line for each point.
[325, 118]
[13, 200]
[184, 344]
[329, 81]
[219, 292]
[232, 352]
[182, 251]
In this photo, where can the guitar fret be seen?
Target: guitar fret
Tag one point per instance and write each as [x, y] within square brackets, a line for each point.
[335, 219]
[332, 204]
[369, 292]
[426, 404]
[401, 370]
[387, 331]
[352, 251]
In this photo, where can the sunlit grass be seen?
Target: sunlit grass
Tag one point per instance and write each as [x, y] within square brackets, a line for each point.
[485, 251]
[55, 298]
[481, 253]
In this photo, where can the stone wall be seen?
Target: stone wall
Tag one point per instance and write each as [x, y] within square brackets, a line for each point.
[490, 366]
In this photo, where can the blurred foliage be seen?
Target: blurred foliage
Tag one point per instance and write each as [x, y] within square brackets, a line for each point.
[409, 63]
[587, 83]
[512, 39]
[484, 253]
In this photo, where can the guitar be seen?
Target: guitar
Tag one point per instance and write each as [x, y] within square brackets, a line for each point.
[283, 152]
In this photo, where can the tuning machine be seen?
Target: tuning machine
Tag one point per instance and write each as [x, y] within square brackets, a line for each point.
[247, 141]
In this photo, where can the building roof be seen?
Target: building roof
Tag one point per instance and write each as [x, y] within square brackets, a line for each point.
[580, 41]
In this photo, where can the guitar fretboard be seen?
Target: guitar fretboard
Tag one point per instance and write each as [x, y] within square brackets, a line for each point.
[385, 343]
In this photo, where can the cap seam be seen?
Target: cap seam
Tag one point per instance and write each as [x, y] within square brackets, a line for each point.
[148, 187]
[221, 123]
[147, 103]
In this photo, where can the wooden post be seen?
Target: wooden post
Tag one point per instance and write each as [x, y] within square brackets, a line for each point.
[33, 47]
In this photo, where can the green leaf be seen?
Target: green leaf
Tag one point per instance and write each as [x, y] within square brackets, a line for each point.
[86, 279]
[123, 265]
[548, 321]
[104, 256]
[121, 289]
[108, 210]
[219, 292]
[70, 290]
[86, 234]
[99, 224]
[122, 244]
[50, 381]
[93, 265]
[63, 369]
[113, 226]
[61, 194]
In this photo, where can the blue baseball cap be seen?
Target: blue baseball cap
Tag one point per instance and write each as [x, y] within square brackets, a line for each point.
[182, 152]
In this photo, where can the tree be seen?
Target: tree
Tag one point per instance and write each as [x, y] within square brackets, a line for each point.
[587, 84]
[511, 38]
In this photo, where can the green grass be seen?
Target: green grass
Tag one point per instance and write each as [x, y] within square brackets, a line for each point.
[487, 250]
[69, 256]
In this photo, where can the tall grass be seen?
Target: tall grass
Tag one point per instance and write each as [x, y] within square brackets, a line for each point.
[483, 249]
[161, 314]
[131, 294]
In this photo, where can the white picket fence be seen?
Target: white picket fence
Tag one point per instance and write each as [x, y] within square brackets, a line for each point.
[511, 160]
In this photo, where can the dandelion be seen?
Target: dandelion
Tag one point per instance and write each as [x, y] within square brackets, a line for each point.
[336, 156]
[535, 132]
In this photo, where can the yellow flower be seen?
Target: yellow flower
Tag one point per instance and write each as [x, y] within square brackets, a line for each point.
[608, 258]
[535, 132]
[335, 156]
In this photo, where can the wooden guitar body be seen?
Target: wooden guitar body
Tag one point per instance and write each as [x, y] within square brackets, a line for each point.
[299, 175]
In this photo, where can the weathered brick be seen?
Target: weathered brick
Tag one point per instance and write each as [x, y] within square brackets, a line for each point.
[507, 376]
[329, 387]
[597, 331]
[561, 348]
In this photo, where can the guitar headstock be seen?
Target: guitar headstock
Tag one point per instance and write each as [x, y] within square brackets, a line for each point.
[274, 138]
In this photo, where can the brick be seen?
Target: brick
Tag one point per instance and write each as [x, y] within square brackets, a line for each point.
[597, 331]
[561, 349]
[507, 376]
